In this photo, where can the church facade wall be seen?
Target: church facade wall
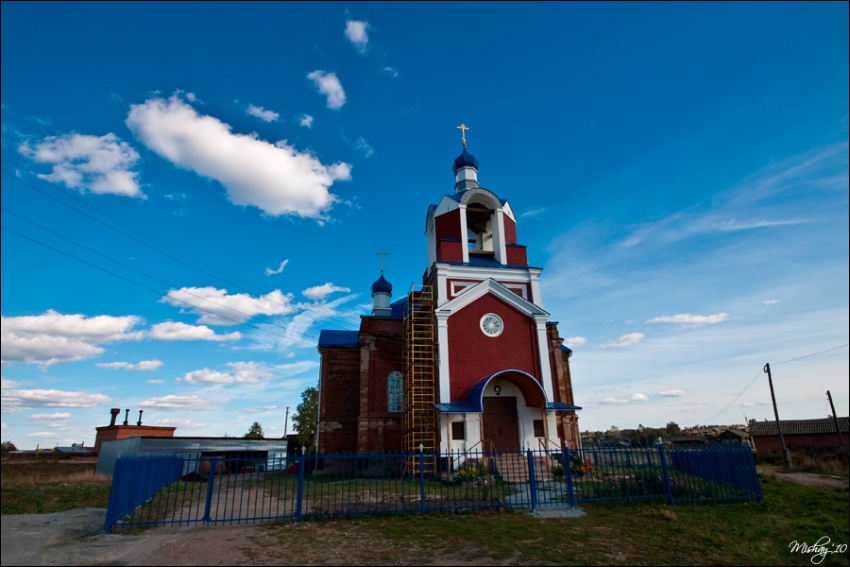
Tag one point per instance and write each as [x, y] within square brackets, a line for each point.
[473, 355]
[510, 230]
[339, 409]
[381, 353]
[447, 225]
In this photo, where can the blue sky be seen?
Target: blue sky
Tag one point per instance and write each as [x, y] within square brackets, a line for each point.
[191, 191]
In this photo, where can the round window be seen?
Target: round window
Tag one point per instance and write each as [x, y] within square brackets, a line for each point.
[491, 325]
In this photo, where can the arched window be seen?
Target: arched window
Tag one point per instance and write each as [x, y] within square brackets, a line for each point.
[395, 392]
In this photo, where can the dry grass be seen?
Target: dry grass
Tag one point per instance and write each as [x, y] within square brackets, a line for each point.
[20, 474]
[51, 486]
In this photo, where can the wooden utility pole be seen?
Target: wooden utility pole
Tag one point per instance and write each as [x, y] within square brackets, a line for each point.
[785, 452]
[835, 421]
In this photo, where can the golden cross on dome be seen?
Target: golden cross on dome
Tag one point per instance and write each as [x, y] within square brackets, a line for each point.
[382, 254]
[463, 128]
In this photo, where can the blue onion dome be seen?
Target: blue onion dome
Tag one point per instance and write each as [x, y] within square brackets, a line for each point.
[382, 286]
[465, 159]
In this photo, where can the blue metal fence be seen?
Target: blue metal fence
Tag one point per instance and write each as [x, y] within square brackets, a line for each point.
[213, 490]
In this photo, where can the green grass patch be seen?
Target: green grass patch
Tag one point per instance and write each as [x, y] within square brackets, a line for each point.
[635, 533]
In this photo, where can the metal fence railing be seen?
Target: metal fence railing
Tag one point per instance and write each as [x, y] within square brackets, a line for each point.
[213, 490]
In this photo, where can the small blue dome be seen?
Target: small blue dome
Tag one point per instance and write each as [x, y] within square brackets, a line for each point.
[465, 159]
[382, 286]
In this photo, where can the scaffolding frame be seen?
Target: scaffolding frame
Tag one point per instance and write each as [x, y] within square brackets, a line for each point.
[420, 388]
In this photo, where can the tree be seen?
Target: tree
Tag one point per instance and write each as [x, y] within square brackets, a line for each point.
[673, 429]
[306, 417]
[255, 431]
[7, 446]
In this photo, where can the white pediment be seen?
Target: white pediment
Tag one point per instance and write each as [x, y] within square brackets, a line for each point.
[490, 286]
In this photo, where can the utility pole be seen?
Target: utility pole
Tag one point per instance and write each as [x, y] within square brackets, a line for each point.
[835, 421]
[285, 423]
[785, 452]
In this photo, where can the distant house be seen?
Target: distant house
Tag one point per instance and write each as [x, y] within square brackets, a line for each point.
[115, 431]
[799, 434]
[732, 437]
[680, 441]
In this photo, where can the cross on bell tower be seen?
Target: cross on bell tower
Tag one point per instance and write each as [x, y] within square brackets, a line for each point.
[463, 128]
[382, 254]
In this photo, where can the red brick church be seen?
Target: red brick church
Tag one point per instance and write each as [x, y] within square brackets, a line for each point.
[468, 361]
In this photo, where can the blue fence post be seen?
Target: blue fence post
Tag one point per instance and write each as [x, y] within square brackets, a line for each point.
[532, 482]
[300, 499]
[421, 480]
[568, 476]
[666, 475]
[207, 519]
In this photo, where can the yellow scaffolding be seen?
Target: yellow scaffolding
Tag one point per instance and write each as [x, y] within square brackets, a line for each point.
[420, 390]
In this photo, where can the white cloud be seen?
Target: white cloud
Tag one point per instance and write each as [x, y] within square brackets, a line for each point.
[279, 269]
[322, 291]
[771, 301]
[49, 416]
[156, 381]
[637, 397]
[102, 165]
[38, 434]
[572, 342]
[313, 312]
[176, 331]
[215, 307]
[363, 147]
[262, 113]
[52, 337]
[275, 178]
[676, 393]
[144, 365]
[687, 319]
[180, 423]
[532, 213]
[392, 71]
[21, 399]
[242, 373]
[355, 31]
[626, 340]
[329, 85]
[174, 402]
[306, 121]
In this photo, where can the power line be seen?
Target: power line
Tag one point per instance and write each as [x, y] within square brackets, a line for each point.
[810, 355]
[156, 291]
[247, 315]
[761, 370]
[736, 397]
[341, 324]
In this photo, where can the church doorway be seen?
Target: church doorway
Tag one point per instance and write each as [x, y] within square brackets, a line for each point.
[501, 426]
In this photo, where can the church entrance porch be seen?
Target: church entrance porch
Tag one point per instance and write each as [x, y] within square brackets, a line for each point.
[501, 425]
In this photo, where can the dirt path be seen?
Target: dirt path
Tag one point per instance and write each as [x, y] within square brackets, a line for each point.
[806, 479]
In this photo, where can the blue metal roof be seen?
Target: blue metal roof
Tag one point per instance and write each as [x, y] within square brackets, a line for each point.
[341, 339]
[399, 308]
[463, 160]
[458, 407]
[382, 286]
[485, 262]
[560, 406]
